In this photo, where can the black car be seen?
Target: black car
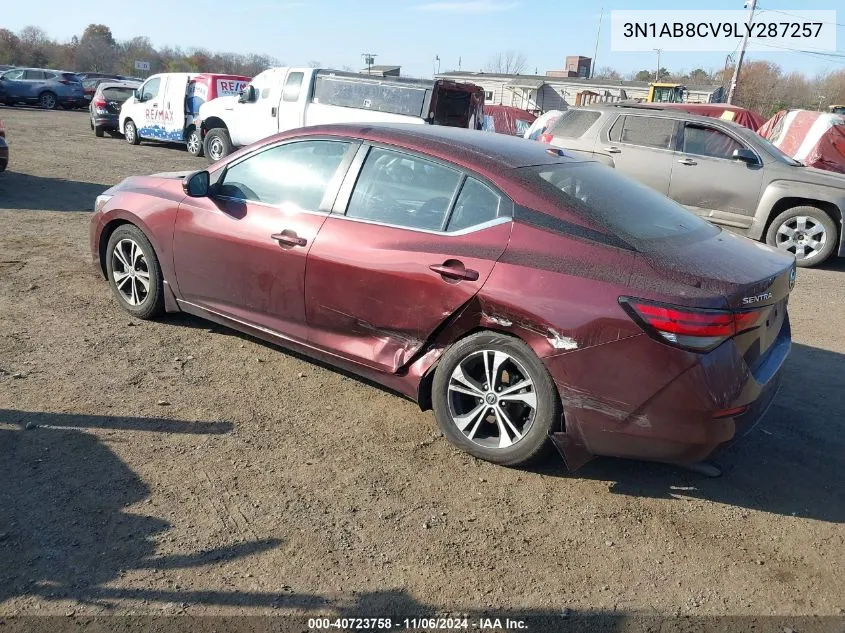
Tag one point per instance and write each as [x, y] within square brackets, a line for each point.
[106, 103]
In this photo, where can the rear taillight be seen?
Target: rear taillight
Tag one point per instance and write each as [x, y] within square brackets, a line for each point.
[697, 330]
[545, 137]
[99, 103]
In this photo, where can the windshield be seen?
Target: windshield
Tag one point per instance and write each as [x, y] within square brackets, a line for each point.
[636, 213]
[776, 151]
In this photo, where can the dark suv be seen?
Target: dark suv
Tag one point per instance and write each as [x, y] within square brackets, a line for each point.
[106, 103]
[47, 88]
[717, 169]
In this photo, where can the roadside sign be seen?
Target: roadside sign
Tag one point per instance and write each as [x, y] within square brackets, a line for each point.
[139, 65]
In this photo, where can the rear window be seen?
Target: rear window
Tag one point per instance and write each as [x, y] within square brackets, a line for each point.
[575, 123]
[636, 213]
[118, 94]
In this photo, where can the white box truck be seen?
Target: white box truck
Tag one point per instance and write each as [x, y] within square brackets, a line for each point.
[280, 99]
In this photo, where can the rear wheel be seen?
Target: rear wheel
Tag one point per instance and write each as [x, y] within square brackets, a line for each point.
[130, 132]
[134, 272]
[807, 232]
[99, 132]
[47, 100]
[194, 142]
[493, 398]
[217, 144]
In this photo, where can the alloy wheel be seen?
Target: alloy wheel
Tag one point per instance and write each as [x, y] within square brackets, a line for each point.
[492, 399]
[130, 132]
[802, 236]
[194, 144]
[48, 101]
[130, 272]
[215, 149]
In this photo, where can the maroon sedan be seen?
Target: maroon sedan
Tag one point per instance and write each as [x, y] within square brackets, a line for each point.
[519, 292]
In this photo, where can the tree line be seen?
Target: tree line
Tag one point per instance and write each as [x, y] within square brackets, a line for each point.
[96, 50]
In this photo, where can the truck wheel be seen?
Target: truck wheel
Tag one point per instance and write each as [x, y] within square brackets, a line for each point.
[217, 144]
[130, 132]
[194, 142]
[807, 232]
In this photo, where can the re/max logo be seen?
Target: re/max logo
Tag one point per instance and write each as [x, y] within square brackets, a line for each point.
[757, 299]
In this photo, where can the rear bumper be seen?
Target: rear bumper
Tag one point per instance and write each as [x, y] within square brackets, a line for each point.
[109, 122]
[674, 423]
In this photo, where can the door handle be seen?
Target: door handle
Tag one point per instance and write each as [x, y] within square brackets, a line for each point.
[272, 112]
[687, 161]
[454, 269]
[155, 105]
[289, 238]
[613, 150]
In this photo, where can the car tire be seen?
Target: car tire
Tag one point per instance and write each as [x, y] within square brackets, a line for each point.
[194, 142]
[472, 416]
[217, 144]
[134, 273]
[807, 232]
[48, 100]
[130, 132]
[99, 132]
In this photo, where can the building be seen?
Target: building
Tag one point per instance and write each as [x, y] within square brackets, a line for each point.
[382, 71]
[575, 66]
[541, 93]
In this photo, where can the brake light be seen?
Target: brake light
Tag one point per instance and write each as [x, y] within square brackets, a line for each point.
[99, 103]
[698, 330]
[545, 137]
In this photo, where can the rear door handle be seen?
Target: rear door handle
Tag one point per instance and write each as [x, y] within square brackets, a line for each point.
[454, 269]
[289, 238]
[613, 150]
[687, 161]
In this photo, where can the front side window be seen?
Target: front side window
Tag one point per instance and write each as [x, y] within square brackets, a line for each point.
[707, 141]
[476, 204]
[647, 131]
[403, 190]
[294, 174]
[13, 75]
[150, 89]
[292, 87]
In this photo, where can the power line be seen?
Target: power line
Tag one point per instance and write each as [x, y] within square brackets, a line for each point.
[796, 15]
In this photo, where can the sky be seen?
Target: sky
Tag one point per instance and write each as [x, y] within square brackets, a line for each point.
[410, 33]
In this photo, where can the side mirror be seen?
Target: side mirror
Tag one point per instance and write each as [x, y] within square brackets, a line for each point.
[247, 95]
[137, 95]
[196, 184]
[746, 156]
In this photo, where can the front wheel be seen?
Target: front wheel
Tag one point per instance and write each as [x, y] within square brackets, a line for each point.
[130, 132]
[194, 142]
[807, 232]
[134, 272]
[493, 398]
[217, 144]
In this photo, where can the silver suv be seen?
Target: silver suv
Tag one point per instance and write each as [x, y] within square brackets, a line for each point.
[721, 171]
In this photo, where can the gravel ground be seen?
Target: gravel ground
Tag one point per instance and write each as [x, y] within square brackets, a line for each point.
[176, 467]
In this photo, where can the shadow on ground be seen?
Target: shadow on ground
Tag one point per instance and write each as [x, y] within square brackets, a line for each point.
[791, 464]
[34, 193]
[64, 528]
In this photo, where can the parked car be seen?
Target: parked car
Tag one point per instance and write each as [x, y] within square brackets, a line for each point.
[718, 169]
[4, 148]
[518, 291]
[280, 99]
[166, 106]
[106, 103]
[47, 88]
[90, 81]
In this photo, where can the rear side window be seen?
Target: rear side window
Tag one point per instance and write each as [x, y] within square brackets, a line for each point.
[646, 131]
[636, 213]
[575, 123]
[34, 74]
[476, 204]
[403, 190]
[292, 87]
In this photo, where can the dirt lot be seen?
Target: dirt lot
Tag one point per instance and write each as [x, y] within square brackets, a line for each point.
[174, 467]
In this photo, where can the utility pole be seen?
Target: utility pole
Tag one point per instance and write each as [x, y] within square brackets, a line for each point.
[657, 74]
[369, 60]
[596, 51]
[752, 5]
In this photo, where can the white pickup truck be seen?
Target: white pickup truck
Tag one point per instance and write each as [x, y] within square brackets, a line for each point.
[280, 99]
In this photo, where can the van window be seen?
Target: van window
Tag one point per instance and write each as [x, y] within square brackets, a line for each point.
[648, 131]
[150, 89]
[574, 123]
[293, 86]
[403, 190]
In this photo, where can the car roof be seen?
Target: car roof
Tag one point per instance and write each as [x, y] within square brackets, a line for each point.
[653, 110]
[118, 84]
[458, 144]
